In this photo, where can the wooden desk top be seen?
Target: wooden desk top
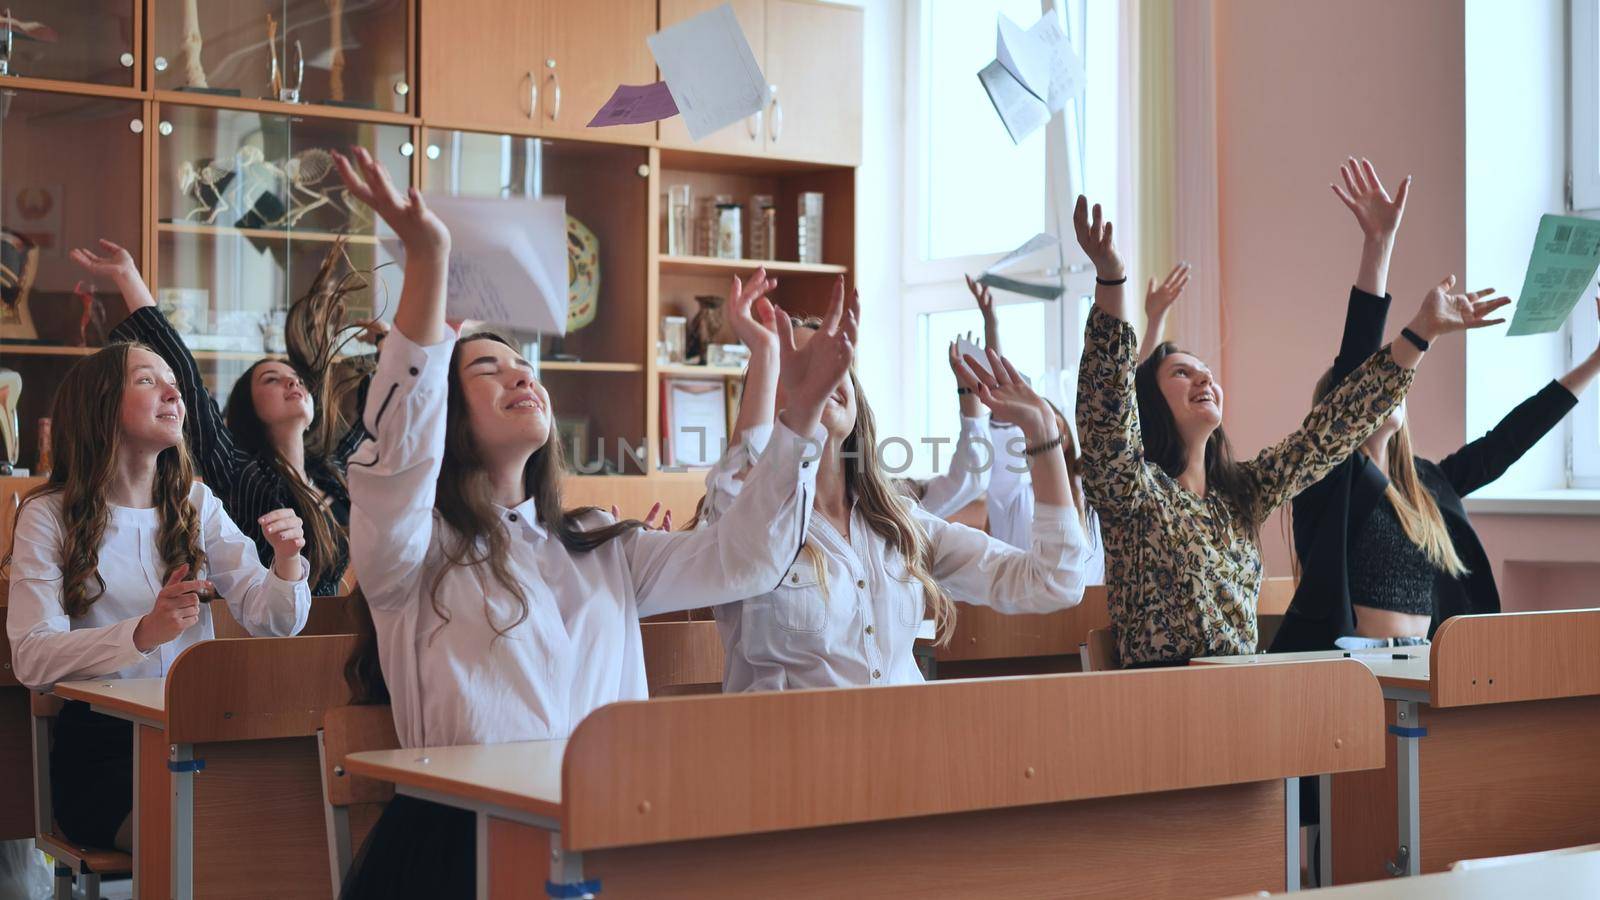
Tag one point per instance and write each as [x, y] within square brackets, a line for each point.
[1571, 877]
[138, 699]
[523, 776]
[1406, 674]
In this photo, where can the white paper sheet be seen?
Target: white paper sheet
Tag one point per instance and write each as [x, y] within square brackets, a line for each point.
[710, 70]
[1066, 70]
[1039, 254]
[1023, 55]
[966, 348]
[508, 260]
[1021, 112]
[1029, 247]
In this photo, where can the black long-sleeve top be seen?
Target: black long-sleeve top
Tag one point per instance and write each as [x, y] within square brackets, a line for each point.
[1329, 514]
[249, 485]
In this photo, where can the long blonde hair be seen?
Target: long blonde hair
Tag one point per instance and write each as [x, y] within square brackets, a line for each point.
[1413, 504]
[84, 446]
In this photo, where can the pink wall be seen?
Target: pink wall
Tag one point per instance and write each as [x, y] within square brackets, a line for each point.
[1300, 85]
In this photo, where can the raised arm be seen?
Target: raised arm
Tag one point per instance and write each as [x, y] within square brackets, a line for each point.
[210, 442]
[1342, 420]
[1009, 397]
[743, 552]
[392, 476]
[753, 316]
[1379, 217]
[1108, 410]
[1158, 302]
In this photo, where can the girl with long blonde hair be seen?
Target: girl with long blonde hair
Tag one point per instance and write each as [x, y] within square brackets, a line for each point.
[110, 560]
[874, 564]
[1383, 545]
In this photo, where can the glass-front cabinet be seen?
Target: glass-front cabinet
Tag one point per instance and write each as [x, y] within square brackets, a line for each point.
[70, 173]
[88, 41]
[248, 207]
[593, 373]
[350, 53]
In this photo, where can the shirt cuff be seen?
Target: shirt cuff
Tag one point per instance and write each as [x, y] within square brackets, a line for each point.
[128, 653]
[403, 359]
[756, 437]
[802, 451]
[305, 572]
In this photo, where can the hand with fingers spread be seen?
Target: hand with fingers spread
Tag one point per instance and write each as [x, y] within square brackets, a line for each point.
[753, 316]
[650, 518]
[177, 608]
[810, 374]
[1008, 395]
[985, 301]
[118, 267]
[1444, 312]
[1094, 236]
[1376, 212]
[286, 533]
[368, 181]
[1159, 299]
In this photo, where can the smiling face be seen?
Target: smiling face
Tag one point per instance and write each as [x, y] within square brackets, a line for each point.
[151, 414]
[1194, 397]
[280, 397]
[508, 410]
[839, 412]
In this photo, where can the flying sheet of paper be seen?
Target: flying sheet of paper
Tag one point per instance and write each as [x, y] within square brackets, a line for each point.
[1566, 254]
[1065, 68]
[710, 70]
[1021, 112]
[1023, 55]
[966, 348]
[634, 104]
[508, 260]
[1041, 253]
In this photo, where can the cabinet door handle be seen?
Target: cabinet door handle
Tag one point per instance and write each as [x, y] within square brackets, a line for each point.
[775, 118]
[752, 124]
[533, 93]
[555, 94]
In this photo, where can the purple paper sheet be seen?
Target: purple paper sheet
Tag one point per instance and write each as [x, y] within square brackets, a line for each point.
[634, 104]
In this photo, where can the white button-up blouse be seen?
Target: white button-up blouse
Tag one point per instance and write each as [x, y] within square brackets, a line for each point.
[452, 678]
[856, 622]
[48, 646]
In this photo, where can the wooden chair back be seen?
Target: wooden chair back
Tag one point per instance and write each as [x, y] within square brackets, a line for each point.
[682, 657]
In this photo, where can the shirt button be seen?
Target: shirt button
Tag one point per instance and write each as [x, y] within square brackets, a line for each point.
[860, 583]
[869, 629]
[805, 465]
[876, 674]
[414, 371]
[513, 517]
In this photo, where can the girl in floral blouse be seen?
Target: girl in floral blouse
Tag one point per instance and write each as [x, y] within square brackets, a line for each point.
[1180, 516]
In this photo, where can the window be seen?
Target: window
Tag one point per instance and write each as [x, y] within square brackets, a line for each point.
[972, 195]
[1583, 455]
[1584, 95]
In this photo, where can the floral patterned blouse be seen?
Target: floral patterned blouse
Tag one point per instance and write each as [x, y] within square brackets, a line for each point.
[1183, 573]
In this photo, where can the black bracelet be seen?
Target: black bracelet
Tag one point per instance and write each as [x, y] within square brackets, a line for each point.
[1415, 339]
[1047, 445]
[962, 392]
[1111, 283]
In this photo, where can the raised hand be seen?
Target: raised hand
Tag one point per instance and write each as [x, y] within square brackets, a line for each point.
[1094, 236]
[1444, 311]
[286, 533]
[176, 608]
[1159, 298]
[650, 518]
[1008, 396]
[753, 316]
[416, 225]
[1376, 212]
[116, 265]
[985, 301]
[811, 373]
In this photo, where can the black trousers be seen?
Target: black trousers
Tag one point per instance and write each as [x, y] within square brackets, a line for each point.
[91, 774]
[416, 849]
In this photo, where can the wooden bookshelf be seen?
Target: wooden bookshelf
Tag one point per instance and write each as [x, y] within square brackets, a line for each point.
[710, 265]
[271, 234]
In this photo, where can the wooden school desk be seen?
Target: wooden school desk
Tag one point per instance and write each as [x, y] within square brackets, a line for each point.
[1569, 877]
[1166, 783]
[1495, 752]
[227, 797]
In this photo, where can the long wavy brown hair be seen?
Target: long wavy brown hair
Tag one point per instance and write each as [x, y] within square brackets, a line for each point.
[85, 443]
[476, 539]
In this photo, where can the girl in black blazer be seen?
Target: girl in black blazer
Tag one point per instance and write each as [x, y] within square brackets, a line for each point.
[1384, 546]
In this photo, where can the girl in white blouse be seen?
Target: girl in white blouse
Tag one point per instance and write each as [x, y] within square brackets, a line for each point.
[499, 615]
[847, 611]
[109, 562]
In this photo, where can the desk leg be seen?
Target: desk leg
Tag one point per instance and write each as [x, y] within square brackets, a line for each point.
[1325, 830]
[182, 764]
[1407, 731]
[520, 860]
[566, 873]
[152, 808]
[1291, 834]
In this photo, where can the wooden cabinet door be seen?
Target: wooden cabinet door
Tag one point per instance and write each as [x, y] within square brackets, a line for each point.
[813, 60]
[587, 50]
[481, 63]
[745, 137]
